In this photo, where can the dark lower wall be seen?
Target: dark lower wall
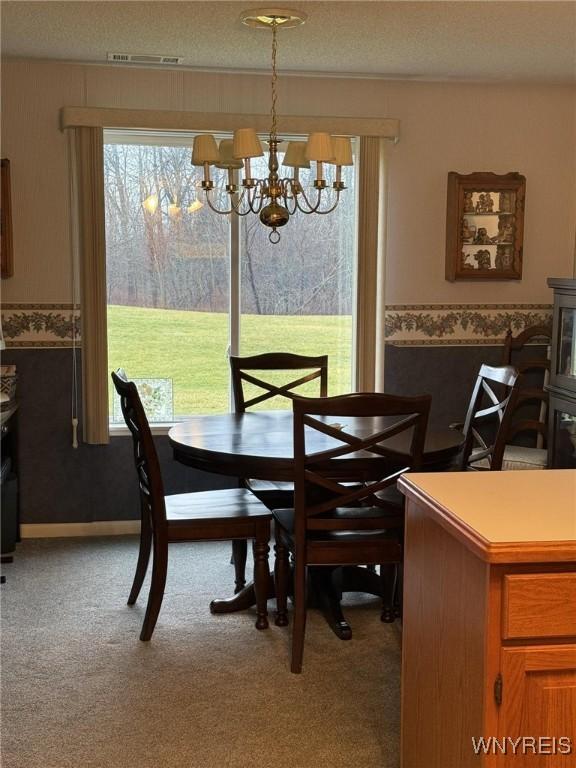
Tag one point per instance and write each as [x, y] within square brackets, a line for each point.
[60, 484]
[447, 373]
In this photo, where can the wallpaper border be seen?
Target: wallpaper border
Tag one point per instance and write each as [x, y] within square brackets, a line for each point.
[459, 324]
[42, 326]
[46, 326]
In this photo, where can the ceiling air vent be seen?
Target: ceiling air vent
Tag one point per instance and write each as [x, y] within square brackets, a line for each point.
[144, 58]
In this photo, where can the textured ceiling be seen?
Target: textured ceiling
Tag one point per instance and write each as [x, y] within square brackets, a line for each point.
[465, 40]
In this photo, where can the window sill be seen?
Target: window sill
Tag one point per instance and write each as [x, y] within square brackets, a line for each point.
[121, 430]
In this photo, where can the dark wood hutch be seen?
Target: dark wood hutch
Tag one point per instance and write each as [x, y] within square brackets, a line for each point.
[562, 386]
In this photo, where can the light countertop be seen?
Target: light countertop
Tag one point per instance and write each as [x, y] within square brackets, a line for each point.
[500, 513]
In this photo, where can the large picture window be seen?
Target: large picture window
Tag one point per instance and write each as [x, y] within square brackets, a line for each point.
[171, 262]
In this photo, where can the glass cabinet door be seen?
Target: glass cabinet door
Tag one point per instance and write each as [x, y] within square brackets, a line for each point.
[564, 449]
[566, 360]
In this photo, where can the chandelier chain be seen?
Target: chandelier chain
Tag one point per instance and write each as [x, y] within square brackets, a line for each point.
[274, 78]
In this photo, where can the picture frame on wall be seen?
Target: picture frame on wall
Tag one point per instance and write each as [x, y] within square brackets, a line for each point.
[6, 252]
[485, 226]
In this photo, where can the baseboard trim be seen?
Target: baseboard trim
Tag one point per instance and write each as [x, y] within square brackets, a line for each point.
[95, 528]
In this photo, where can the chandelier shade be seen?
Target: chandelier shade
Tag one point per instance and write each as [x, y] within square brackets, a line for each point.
[226, 156]
[295, 156]
[247, 144]
[319, 148]
[205, 150]
[342, 148]
[273, 198]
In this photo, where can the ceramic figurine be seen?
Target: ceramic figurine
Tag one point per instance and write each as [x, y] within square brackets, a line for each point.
[483, 259]
[468, 231]
[503, 259]
[505, 230]
[482, 237]
[505, 203]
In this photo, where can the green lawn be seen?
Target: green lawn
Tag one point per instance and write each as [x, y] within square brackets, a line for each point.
[190, 348]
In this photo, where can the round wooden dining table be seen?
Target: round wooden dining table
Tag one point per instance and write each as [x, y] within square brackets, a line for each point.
[259, 445]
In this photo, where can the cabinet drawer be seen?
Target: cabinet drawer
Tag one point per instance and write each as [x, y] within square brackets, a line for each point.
[539, 605]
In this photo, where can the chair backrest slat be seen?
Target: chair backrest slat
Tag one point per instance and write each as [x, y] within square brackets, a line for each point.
[535, 334]
[145, 455]
[501, 406]
[275, 361]
[531, 412]
[369, 421]
[369, 444]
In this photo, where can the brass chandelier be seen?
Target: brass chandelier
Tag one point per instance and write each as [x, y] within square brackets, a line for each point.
[273, 198]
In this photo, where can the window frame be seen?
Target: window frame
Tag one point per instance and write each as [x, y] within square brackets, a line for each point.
[185, 139]
[88, 252]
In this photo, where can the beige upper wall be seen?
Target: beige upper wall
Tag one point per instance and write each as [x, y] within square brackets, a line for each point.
[467, 128]
[444, 127]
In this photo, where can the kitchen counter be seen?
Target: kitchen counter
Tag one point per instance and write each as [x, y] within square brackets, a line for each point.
[502, 515]
[489, 618]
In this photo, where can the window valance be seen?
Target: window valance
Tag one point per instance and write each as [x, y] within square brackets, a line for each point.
[96, 117]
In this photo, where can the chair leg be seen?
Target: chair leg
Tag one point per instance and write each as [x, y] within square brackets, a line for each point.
[239, 553]
[143, 556]
[388, 574]
[299, 623]
[281, 577]
[261, 574]
[157, 584]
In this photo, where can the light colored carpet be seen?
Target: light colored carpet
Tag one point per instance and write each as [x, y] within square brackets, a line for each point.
[79, 689]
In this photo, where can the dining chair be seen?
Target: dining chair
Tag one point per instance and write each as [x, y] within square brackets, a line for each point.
[250, 387]
[243, 369]
[207, 515]
[488, 418]
[350, 524]
[528, 434]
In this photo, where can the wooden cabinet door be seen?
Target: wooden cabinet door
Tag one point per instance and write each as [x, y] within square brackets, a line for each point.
[538, 700]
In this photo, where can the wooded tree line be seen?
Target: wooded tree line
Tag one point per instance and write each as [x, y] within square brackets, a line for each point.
[164, 255]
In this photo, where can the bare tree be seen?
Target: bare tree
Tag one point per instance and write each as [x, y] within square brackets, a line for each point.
[162, 255]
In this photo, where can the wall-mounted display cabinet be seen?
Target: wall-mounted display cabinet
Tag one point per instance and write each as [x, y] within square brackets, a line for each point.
[485, 226]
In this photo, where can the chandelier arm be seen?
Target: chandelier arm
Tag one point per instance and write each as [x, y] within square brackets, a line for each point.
[243, 213]
[328, 210]
[289, 195]
[289, 189]
[248, 196]
[256, 199]
[316, 208]
[235, 206]
[219, 210]
[291, 204]
[311, 208]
